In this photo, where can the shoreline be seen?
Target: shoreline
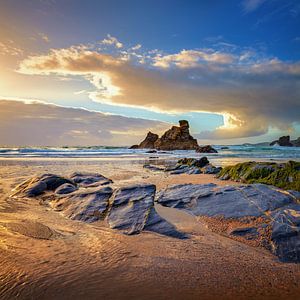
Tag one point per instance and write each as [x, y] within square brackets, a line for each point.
[77, 260]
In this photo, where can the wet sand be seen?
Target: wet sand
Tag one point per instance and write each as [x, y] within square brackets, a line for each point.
[46, 256]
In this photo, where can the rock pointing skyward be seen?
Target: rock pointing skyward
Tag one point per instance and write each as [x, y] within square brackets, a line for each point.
[176, 138]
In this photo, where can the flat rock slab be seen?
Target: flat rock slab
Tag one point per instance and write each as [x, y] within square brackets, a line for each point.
[86, 206]
[228, 202]
[89, 179]
[132, 210]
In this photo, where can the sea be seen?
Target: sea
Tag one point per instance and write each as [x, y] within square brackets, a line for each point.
[227, 155]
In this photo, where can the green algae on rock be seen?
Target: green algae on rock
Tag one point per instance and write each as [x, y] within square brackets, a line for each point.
[283, 175]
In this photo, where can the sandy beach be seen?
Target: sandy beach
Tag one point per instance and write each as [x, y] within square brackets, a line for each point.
[44, 255]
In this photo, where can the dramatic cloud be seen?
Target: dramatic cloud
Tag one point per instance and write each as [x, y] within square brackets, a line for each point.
[253, 93]
[39, 124]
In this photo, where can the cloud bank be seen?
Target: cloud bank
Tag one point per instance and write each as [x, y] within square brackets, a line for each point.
[39, 124]
[253, 92]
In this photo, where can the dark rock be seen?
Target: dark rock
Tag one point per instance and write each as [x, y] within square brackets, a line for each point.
[38, 185]
[193, 162]
[286, 233]
[53, 181]
[151, 151]
[296, 143]
[284, 175]
[90, 179]
[228, 202]
[206, 149]
[35, 189]
[134, 147]
[65, 188]
[132, 210]
[283, 141]
[210, 169]
[224, 148]
[177, 138]
[148, 142]
[88, 206]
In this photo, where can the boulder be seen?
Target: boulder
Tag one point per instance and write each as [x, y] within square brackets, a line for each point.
[206, 149]
[89, 179]
[283, 175]
[132, 210]
[283, 141]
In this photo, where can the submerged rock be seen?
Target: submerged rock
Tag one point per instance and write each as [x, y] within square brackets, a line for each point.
[206, 149]
[89, 179]
[283, 175]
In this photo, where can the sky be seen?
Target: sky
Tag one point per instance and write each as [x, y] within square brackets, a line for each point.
[231, 68]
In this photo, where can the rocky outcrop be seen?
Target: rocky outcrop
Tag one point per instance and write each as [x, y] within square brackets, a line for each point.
[83, 198]
[187, 166]
[206, 149]
[268, 216]
[283, 175]
[176, 138]
[285, 141]
[148, 142]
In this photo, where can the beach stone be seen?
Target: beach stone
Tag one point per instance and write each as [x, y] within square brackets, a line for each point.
[89, 179]
[286, 233]
[132, 210]
[228, 202]
[65, 188]
[86, 206]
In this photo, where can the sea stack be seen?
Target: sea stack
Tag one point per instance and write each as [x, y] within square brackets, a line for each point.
[176, 138]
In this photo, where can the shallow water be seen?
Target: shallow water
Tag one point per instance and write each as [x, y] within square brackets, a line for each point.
[234, 153]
